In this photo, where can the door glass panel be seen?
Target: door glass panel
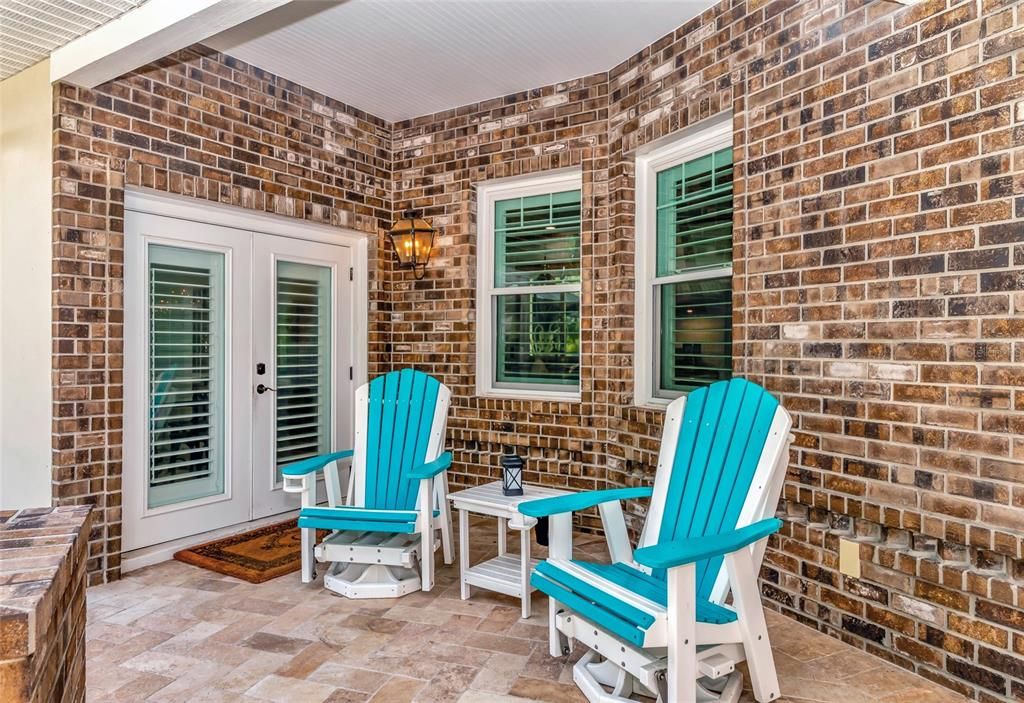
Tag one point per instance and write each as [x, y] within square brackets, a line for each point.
[303, 347]
[186, 374]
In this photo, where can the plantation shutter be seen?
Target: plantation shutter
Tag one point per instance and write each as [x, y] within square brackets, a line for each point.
[186, 374]
[695, 214]
[537, 240]
[303, 327]
[537, 328]
[694, 272]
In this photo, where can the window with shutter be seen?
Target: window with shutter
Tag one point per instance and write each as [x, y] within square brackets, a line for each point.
[685, 278]
[186, 374]
[529, 257]
[303, 404]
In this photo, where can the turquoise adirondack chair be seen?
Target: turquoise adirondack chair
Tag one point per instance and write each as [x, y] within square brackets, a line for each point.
[657, 620]
[396, 496]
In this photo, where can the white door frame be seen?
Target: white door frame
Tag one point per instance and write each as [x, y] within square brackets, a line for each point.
[151, 202]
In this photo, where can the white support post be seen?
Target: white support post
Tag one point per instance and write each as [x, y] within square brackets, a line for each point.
[615, 533]
[441, 485]
[559, 547]
[524, 571]
[554, 636]
[464, 551]
[332, 484]
[560, 535]
[502, 537]
[307, 535]
[746, 596]
[426, 524]
[682, 634]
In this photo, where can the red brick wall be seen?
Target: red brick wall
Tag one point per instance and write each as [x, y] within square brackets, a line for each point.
[200, 125]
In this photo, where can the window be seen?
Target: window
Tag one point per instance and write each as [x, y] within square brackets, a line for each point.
[186, 374]
[528, 273]
[684, 264]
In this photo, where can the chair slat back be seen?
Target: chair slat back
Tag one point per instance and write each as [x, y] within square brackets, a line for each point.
[405, 416]
[706, 477]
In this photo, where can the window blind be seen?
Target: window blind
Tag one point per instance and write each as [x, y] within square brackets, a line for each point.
[186, 374]
[696, 333]
[537, 240]
[303, 361]
[538, 338]
[694, 218]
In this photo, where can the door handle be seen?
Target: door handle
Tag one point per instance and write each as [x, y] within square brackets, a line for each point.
[261, 389]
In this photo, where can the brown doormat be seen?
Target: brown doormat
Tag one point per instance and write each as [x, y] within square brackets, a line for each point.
[255, 556]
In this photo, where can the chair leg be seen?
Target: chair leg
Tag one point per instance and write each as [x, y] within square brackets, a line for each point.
[447, 543]
[426, 503]
[746, 596]
[682, 634]
[308, 538]
[558, 643]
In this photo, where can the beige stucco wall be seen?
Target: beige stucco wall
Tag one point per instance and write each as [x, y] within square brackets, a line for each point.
[26, 108]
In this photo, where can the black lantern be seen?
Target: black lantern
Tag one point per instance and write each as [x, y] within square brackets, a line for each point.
[412, 238]
[511, 475]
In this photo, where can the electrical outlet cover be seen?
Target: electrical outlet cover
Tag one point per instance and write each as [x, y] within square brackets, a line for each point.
[849, 558]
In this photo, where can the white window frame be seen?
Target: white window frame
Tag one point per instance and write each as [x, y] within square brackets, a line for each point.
[702, 139]
[488, 194]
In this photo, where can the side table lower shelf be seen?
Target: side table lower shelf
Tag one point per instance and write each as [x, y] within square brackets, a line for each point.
[503, 574]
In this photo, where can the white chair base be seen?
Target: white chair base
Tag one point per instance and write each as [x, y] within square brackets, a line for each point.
[393, 569]
[595, 676]
[371, 580]
[612, 663]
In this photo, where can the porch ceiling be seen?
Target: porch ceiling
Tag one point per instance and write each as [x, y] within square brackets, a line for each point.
[398, 59]
[31, 29]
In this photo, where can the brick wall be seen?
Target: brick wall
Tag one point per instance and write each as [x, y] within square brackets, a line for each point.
[200, 125]
[438, 160]
[879, 281]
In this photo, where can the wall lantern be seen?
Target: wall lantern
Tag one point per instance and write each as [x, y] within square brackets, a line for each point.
[412, 238]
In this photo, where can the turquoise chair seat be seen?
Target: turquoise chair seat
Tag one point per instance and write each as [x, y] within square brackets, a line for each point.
[594, 598]
[360, 519]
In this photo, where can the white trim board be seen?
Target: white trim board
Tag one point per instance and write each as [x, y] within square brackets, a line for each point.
[146, 33]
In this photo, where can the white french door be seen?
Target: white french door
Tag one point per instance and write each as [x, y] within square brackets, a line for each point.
[299, 296]
[238, 360]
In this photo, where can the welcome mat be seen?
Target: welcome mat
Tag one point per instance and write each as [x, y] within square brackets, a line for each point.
[255, 556]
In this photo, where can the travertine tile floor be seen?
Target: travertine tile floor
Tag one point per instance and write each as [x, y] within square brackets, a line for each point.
[174, 632]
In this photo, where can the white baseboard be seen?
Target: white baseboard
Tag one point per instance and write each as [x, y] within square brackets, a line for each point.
[154, 554]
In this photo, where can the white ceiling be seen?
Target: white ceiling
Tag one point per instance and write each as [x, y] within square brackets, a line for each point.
[399, 59]
[31, 29]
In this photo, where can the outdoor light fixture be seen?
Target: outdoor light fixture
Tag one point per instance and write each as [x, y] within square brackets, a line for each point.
[412, 238]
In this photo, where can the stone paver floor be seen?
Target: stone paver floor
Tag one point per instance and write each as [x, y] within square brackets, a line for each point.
[174, 632]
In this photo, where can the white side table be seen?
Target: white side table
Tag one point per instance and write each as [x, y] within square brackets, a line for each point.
[505, 573]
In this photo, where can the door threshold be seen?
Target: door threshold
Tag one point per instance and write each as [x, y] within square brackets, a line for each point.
[156, 553]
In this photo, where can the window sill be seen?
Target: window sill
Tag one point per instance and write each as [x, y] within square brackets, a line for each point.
[652, 402]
